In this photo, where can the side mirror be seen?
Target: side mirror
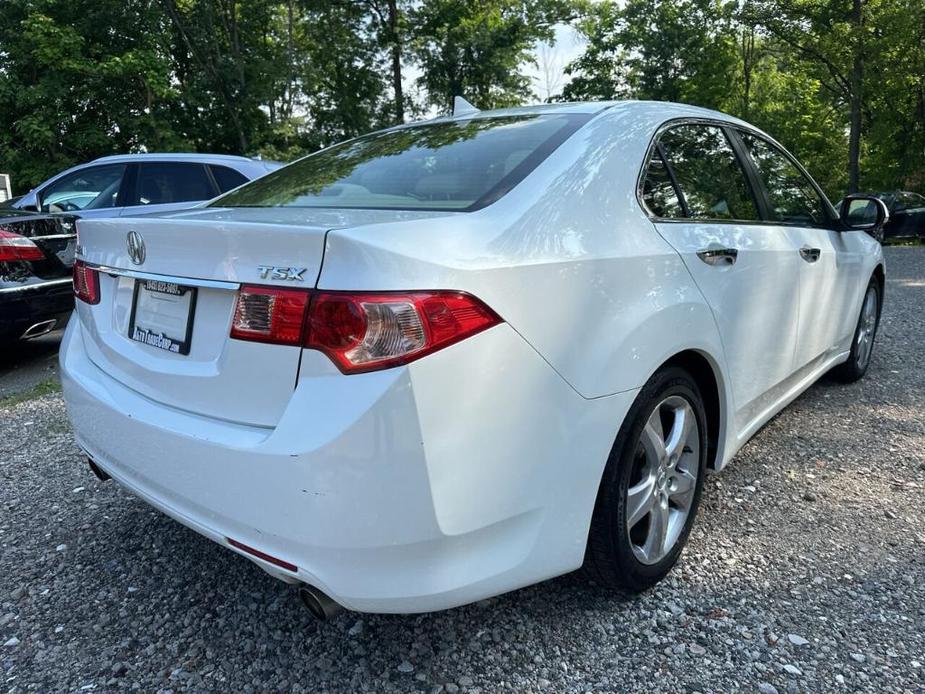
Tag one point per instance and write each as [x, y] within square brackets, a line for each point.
[864, 213]
[29, 208]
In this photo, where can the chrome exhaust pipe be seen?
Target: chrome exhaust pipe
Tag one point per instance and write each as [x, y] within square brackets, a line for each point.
[320, 605]
[39, 329]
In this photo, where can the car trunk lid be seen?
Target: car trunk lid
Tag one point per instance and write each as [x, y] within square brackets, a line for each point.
[184, 287]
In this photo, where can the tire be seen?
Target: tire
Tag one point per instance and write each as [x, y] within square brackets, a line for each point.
[623, 551]
[862, 342]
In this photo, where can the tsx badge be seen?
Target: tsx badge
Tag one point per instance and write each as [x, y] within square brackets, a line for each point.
[273, 272]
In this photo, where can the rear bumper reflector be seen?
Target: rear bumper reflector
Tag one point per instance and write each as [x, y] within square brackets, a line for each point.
[263, 555]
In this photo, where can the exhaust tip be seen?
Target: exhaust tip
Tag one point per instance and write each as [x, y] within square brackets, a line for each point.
[320, 605]
[98, 471]
[39, 329]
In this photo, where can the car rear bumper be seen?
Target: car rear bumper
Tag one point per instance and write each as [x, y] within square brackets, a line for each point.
[24, 306]
[464, 475]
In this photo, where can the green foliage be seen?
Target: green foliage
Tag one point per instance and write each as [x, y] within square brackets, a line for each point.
[813, 73]
[477, 47]
[839, 82]
[79, 81]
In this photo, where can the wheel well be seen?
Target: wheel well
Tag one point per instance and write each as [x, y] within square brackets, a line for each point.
[702, 372]
[881, 280]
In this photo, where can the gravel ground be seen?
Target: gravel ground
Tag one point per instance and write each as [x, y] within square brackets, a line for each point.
[805, 572]
[26, 364]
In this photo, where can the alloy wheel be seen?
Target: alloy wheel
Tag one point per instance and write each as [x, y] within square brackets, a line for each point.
[866, 328]
[664, 479]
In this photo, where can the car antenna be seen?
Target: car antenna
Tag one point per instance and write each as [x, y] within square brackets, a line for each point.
[461, 107]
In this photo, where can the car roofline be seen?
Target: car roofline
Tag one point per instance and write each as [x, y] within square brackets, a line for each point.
[187, 156]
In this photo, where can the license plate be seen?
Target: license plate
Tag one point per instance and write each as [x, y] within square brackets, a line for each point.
[162, 315]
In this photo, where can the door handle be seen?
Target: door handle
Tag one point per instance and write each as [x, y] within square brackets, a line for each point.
[718, 256]
[810, 255]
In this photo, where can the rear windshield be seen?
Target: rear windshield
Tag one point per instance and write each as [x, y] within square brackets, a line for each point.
[450, 165]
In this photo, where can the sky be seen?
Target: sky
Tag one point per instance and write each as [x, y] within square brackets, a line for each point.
[548, 74]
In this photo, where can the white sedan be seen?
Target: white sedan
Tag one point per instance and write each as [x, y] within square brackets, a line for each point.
[450, 359]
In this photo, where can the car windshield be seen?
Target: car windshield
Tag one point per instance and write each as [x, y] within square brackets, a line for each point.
[451, 165]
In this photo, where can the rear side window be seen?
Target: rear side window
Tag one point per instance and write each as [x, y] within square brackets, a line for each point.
[792, 197]
[707, 172]
[166, 182]
[658, 191]
[449, 165]
[226, 178]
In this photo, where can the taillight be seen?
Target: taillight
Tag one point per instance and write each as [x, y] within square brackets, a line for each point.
[86, 283]
[363, 332]
[267, 314]
[15, 247]
[360, 331]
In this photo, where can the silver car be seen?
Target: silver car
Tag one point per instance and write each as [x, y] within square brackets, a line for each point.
[130, 184]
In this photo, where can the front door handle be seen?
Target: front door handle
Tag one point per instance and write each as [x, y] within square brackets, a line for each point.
[810, 255]
[718, 256]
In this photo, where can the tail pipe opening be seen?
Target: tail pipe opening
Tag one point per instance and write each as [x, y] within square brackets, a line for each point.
[97, 470]
[42, 328]
[320, 605]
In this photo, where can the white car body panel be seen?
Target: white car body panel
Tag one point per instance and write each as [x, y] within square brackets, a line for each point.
[473, 470]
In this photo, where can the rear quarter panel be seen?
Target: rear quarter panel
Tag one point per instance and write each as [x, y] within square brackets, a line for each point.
[567, 258]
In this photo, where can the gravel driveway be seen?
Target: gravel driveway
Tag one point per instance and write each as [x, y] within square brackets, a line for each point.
[805, 572]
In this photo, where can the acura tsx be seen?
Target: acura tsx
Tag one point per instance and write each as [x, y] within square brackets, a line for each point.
[453, 358]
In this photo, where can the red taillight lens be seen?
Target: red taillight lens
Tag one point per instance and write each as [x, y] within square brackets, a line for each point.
[368, 331]
[86, 283]
[267, 314]
[15, 247]
[360, 331]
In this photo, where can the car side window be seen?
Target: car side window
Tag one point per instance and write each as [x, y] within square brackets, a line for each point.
[92, 188]
[908, 201]
[165, 182]
[710, 179]
[792, 197]
[227, 178]
[658, 190]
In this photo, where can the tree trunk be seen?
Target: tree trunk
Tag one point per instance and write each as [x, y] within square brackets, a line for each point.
[857, 99]
[748, 65]
[395, 40]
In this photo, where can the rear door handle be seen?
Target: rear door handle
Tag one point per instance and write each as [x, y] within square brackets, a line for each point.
[718, 256]
[810, 255]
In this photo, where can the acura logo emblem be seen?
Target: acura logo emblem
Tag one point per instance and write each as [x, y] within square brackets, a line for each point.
[136, 247]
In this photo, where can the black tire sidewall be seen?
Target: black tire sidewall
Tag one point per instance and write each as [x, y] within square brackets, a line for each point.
[612, 498]
[853, 358]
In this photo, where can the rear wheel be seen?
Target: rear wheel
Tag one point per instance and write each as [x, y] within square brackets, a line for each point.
[651, 486]
[862, 346]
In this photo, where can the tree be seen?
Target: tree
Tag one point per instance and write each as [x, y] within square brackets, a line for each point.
[79, 81]
[391, 29]
[477, 48]
[835, 37]
[657, 49]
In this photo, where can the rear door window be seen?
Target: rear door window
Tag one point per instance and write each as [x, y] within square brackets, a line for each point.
[444, 165]
[226, 178]
[709, 176]
[793, 198]
[659, 191]
[166, 182]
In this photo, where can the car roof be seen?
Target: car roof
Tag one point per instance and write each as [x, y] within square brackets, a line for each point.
[178, 156]
[650, 110]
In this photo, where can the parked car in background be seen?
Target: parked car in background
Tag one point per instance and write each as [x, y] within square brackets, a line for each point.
[907, 214]
[132, 184]
[36, 259]
[453, 358]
